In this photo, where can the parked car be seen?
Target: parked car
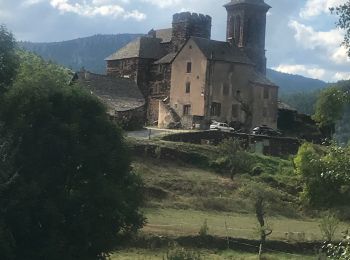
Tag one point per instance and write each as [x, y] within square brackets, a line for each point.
[217, 126]
[265, 130]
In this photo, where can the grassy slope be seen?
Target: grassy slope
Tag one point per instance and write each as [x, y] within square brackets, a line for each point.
[181, 197]
[138, 254]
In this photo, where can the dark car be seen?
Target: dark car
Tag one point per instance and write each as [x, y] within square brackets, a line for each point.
[265, 130]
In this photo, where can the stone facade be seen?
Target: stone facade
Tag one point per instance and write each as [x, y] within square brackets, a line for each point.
[189, 80]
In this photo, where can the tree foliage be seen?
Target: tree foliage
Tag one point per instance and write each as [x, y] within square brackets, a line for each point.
[8, 58]
[325, 173]
[343, 11]
[68, 191]
[340, 251]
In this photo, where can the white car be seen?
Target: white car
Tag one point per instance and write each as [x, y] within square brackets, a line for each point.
[217, 126]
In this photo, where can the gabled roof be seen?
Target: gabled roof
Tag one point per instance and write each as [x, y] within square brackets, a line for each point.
[167, 58]
[117, 94]
[221, 51]
[258, 78]
[259, 3]
[142, 47]
[164, 34]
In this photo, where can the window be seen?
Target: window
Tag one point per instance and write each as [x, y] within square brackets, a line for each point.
[188, 87]
[189, 67]
[215, 109]
[225, 89]
[160, 68]
[238, 94]
[235, 110]
[187, 110]
[266, 93]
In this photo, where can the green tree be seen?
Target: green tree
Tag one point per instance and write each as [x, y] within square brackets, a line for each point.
[68, 192]
[236, 158]
[329, 107]
[325, 174]
[343, 11]
[8, 58]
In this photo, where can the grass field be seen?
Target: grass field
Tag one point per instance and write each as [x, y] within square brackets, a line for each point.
[172, 222]
[137, 254]
[181, 197]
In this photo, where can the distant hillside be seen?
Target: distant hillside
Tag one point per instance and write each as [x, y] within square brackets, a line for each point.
[90, 53]
[290, 84]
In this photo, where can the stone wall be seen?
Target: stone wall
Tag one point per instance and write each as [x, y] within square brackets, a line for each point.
[275, 146]
[189, 24]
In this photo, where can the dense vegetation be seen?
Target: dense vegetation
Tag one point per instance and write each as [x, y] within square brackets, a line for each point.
[66, 189]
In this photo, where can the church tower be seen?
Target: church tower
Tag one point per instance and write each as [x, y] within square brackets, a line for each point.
[246, 27]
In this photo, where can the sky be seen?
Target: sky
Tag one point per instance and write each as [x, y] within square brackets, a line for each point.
[301, 38]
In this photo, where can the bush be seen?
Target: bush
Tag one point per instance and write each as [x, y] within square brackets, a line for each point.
[328, 226]
[325, 174]
[339, 251]
[203, 231]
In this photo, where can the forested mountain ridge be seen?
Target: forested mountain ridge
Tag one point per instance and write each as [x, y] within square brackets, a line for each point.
[290, 83]
[90, 52]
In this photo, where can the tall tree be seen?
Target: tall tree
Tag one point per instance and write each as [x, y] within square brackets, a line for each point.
[343, 11]
[69, 191]
[8, 59]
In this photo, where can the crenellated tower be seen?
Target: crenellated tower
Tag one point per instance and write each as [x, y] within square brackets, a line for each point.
[246, 28]
[188, 24]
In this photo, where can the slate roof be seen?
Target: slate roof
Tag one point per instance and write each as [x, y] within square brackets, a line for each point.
[221, 51]
[142, 47]
[284, 106]
[117, 94]
[259, 3]
[261, 79]
[164, 34]
[167, 58]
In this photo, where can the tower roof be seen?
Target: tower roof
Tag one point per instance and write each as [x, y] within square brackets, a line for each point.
[259, 3]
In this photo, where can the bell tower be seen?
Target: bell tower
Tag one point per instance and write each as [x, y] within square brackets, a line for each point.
[246, 28]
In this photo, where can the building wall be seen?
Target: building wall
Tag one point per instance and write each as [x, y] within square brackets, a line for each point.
[229, 86]
[159, 84]
[265, 107]
[197, 78]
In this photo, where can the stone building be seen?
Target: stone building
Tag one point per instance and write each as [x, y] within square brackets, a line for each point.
[122, 97]
[188, 79]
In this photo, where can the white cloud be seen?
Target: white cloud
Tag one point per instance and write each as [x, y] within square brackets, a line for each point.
[317, 7]
[27, 3]
[309, 71]
[97, 8]
[341, 76]
[164, 3]
[329, 42]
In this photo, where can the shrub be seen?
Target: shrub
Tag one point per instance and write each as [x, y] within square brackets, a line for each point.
[203, 231]
[328, 226]
[339, 251]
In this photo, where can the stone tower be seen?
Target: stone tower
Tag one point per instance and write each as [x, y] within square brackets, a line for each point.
[246, 27]
[189, 24]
